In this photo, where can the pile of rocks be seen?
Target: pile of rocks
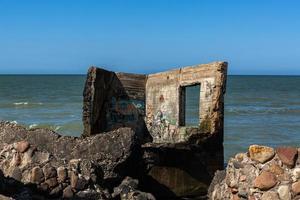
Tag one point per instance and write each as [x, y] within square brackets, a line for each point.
[40, 164]
[261, 173]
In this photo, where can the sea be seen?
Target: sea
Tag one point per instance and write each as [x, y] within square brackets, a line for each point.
[258, 109]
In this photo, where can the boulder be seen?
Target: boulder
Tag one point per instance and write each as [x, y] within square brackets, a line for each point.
[248, 176]
[64, 166]
[261, 153]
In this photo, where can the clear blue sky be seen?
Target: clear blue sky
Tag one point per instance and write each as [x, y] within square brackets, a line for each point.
[67, 36]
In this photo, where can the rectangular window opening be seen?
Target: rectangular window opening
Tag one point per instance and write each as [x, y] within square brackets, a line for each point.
[189, 107]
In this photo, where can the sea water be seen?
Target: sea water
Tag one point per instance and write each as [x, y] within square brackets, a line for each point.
[258, 109]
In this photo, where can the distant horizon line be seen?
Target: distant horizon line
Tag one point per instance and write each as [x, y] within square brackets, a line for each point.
[141, 73]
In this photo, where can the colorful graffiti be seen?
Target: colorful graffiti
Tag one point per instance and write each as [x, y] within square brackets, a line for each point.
[124, 111]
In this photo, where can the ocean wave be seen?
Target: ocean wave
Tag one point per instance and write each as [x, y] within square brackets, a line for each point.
[26, 103]
[21, 103]
[262, 110]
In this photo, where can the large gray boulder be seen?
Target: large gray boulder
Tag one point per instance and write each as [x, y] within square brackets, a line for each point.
[67, 166]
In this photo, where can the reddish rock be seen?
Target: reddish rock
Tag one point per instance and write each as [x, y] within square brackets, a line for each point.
[37, 175]
[22, 146]
[261, 153]
[296, 188]
[265, 180]
[235, 197]
[276, 169]
[62, 174]
[287, 155]
[73, 179]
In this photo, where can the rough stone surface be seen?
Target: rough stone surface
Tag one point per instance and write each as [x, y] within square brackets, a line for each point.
[261, 153]
[270, 195]
[287, 155]
[22, 146]
[284, 192]
[296, 187]
[46, 159]
[247, 178]
[265, 180]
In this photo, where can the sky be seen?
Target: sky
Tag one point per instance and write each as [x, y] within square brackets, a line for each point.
[255, 37]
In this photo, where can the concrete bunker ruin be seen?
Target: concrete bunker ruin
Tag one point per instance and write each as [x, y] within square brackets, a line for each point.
[156, 103]
[178, 116]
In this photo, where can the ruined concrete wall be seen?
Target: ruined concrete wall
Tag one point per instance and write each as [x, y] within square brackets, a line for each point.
[113, 100]
[163, 96]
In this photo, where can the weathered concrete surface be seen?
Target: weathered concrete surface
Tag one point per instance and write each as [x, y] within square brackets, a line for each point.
[246, 177]
[113, 100]
[54, 163]
[163, 96]
[181, 160]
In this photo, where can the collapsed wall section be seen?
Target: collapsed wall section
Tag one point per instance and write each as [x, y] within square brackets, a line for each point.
[113, 100]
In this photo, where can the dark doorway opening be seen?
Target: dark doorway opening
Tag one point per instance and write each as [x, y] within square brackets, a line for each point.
[189, 107]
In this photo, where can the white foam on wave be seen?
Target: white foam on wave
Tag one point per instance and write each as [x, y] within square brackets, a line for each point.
[33, 125]
[57, 128]
[14, 122]
[26, 103]
[21, 103]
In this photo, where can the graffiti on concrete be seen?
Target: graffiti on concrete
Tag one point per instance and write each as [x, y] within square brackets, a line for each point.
[123, 111]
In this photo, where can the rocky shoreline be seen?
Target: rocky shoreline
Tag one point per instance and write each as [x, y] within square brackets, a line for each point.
[40, 164]
[262, 173]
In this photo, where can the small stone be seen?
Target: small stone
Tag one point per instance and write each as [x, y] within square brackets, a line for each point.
[44, 187]
[16, 174]
[73, 179]
[296, 173]
[270, 195]
[52, 182]
[68, 192]
[235, 197]
[284, 192]
[276, 169]
[81, 183]
[37, 175]
[261, 153]
[55, 192]
[49, 171]
[265, 180]
[296, 188]
[62, 174]
[287, 155]
[21, 146]
[243, 178]
[16, 160]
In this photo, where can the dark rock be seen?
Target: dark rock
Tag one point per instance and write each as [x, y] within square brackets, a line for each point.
[68, 192]
[57, 191]
[49, 171]
[16, 174]
[52, 182]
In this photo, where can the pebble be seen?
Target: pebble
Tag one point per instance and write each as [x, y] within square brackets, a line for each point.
[284, 192]
[37, 175]
[287, 155]
[22, 146]
[261, 153]
[265, 180]
[270, 195]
